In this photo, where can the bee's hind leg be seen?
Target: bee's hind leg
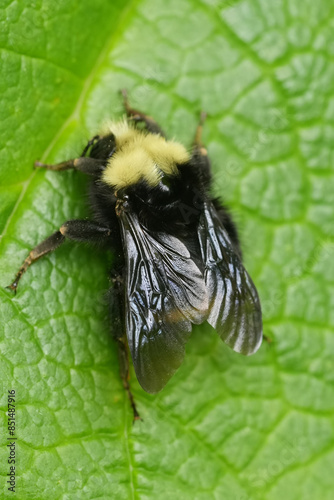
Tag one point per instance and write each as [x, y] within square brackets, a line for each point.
[116, 297]
[123, 356]
[138, 116]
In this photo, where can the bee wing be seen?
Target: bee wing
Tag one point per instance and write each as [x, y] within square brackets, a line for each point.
[165, 293]
[234, 305]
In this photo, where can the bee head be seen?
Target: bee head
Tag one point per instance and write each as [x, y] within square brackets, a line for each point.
[104, 147]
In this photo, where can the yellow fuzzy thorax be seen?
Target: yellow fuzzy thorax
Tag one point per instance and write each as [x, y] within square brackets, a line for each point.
[141, 156]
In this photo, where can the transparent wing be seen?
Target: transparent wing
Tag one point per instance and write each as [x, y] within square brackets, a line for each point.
[234, 305]
[165, 293]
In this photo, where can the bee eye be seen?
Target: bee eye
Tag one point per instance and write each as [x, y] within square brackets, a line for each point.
[111, 152]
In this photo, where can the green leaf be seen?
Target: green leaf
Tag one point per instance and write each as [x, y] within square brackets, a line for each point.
[226, 426]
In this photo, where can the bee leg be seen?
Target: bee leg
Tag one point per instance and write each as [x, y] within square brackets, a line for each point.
[116, 309]
[78, 230]
[200, 157]
[89, 144]
[89, 166]
[138, 116]
[229, 225]
[199, 153]
[198, 135]
[123, 356]
[48, 245]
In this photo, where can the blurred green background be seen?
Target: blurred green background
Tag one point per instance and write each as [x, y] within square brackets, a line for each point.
[225, 427]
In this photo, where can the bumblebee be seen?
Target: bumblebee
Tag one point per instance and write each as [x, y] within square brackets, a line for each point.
[177, 254]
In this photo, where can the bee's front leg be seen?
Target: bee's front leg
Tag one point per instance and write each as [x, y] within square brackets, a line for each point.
[89, 166]
[137, 116]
